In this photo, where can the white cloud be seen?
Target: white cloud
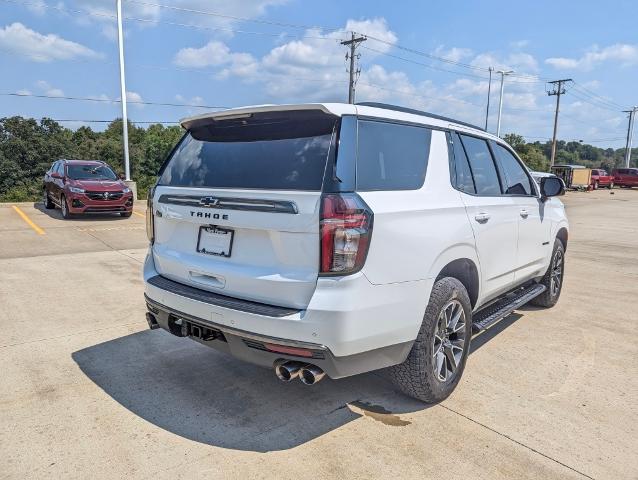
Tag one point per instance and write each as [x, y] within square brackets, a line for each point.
[623, 53]
[454, 54]
[41, 48]
[23, 91]
[196, 100]
[520, 62]
[47, 89]
[519, 44]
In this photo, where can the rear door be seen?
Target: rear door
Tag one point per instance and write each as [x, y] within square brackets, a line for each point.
[237, 206]
[533, 245]
[493, 216]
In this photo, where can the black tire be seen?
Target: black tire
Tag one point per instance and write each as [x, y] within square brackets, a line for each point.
[46, 201]
[551, 294]
[417, 375]
[64, 207]
[126, 214]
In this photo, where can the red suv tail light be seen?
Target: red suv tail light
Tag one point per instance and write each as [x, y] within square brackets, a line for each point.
[345, 228]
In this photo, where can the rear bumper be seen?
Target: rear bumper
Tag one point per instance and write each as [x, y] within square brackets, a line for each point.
[355, 326]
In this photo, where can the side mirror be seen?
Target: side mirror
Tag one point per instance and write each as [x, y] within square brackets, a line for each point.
[551, 187]
[56, 175]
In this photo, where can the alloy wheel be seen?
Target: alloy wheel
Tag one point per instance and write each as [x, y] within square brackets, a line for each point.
[64, 206]
[556, 277]
[449, 340]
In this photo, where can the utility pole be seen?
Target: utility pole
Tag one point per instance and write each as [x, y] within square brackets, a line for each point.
[558, 89]
[500, 100]
[489, 91]
[353, 43]
[120, 42]
[630, 134]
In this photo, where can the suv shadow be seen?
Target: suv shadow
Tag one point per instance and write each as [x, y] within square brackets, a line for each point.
[212, 398]
[56, 214]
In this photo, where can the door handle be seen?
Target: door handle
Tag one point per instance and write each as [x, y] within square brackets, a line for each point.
[482, 217]
[524, 213]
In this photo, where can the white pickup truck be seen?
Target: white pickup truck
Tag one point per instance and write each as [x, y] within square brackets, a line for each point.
[336, 239]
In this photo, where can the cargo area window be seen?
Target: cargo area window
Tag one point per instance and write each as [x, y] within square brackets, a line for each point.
[269, 151]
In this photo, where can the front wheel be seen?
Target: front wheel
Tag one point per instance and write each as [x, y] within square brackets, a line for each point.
[435, 364]
[64, 207]
[553, 278]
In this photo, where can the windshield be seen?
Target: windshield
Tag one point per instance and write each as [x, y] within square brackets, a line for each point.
[90, 172]
[277, 150]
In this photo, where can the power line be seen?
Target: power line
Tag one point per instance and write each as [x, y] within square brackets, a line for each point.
[232, 17]
[66, 10]
[108, 100]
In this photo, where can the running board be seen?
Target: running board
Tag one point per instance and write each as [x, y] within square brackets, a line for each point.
[503, 307]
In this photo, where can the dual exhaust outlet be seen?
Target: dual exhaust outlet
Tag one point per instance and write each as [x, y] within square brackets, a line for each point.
[287, 370]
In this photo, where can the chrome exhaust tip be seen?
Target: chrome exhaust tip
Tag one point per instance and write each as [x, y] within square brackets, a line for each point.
[287, 370]
[311, 374]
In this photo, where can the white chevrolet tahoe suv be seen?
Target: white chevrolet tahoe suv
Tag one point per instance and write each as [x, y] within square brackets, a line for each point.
[336, 239]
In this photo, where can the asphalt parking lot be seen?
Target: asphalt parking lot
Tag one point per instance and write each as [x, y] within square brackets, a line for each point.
[87, 391]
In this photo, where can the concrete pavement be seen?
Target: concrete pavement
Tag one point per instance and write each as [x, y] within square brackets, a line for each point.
[88, 391]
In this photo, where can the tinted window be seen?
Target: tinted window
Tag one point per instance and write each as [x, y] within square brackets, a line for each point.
[277, 150]
[482, 165]
[517, 181]
[90, 172]
[462, 172]
[392, 156]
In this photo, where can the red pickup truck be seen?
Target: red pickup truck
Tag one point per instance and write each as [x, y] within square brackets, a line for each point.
[600, 178]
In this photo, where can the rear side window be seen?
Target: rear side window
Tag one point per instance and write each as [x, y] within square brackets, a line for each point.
[516, 179]
[391, 156]
[482, 165]
[274, 150]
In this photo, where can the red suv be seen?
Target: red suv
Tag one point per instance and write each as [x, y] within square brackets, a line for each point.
[600, 178]
[626, 177]
[86, 186]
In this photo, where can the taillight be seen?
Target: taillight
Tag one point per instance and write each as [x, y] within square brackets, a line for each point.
[150, 223]
[345, 228]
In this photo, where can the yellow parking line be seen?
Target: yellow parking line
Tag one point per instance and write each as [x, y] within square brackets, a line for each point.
[138, 214]
[37, 229]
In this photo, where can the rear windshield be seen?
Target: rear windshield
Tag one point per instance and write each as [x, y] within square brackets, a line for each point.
[276, 150]
[90, 172]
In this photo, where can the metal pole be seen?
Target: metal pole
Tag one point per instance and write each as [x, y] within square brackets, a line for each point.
[630, 134]
[120, 41]
[489, 91]
[500, 104]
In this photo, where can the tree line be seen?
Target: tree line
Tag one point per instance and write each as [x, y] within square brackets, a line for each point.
[28, 148]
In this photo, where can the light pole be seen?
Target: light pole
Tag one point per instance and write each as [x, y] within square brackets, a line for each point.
[500, 100]
[489, 92]
[120, 42]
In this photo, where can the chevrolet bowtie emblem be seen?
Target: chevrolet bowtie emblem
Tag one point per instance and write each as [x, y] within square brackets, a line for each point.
[209, 202]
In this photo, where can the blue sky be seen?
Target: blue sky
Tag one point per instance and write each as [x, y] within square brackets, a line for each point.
[282, 51]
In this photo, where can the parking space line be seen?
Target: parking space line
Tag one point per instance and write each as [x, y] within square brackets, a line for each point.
[138, 214]
[29, 222]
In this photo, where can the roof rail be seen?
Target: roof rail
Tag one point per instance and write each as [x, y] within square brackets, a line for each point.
[418, 112]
